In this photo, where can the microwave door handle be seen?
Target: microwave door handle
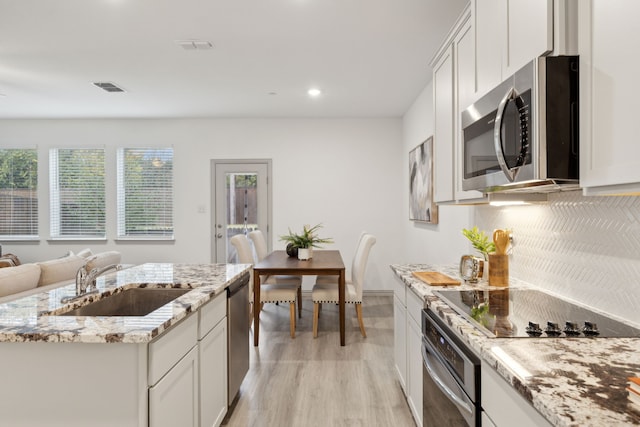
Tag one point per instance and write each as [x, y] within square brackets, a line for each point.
[441, 385]
[497, 135]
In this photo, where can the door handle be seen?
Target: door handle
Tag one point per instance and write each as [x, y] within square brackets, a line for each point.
[426, 356]
[219, 236]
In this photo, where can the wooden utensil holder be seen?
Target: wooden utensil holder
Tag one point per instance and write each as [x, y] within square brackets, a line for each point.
[498, 270]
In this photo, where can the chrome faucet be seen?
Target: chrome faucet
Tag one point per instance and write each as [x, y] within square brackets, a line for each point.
[86, 280]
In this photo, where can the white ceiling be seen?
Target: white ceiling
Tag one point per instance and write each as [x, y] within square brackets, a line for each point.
[369, 57]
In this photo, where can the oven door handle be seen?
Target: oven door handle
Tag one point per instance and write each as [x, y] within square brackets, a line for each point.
[438, 381]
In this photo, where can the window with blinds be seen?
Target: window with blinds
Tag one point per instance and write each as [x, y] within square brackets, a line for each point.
[145, 193]
[77, 191]
[18, 194]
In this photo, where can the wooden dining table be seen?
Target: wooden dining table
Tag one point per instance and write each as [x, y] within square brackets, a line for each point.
[323, 262]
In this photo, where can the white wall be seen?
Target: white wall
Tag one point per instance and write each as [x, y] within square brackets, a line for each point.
[440, 243]
[344, 173]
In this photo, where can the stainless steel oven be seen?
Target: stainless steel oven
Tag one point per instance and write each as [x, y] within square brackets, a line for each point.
[451, 377]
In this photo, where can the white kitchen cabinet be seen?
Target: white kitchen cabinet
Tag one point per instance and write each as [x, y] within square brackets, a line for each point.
[407, 315]
[443, 126]
[166, 350]
[147, 384]
[454, 89]
[415, 305]
[173, 401]
[609, 152]
[400, 341]
[503, 405]
[509, 34]
[414, 369]
[173, 376]
[464, 52]
[490, 22]
[212, 348]
[529, 33]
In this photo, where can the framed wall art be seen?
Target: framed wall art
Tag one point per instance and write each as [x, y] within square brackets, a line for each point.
[421, 204]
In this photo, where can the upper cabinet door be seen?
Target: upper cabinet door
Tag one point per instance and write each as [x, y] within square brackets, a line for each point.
[529, 33]
[490, 18]
[443, 125]
[509, 34]
[609, 69]
[465, 77]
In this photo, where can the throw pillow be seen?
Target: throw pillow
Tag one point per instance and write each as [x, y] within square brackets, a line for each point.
[18, 279]
[60, 270]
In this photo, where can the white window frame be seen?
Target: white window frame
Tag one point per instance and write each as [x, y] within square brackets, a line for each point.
[162, 156]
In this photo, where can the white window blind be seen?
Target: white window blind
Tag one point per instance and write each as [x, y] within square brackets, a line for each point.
[145, 193]
[18, 194]
[77, 192]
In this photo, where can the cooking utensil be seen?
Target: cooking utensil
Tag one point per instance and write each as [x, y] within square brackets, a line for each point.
[501, 240]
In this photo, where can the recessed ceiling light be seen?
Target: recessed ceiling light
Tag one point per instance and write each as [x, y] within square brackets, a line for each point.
[314, 92]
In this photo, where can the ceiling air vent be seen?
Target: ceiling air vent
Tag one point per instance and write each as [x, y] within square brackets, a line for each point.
[109, 87]
[194, 44]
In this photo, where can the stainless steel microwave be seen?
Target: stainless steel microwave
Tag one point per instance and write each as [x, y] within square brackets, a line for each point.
[523, 134]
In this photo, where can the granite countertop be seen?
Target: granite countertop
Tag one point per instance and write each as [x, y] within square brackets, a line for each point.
[27, 319]
[570, 381]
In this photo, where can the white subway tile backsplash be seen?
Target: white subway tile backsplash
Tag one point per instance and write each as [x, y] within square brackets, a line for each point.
[584, 248]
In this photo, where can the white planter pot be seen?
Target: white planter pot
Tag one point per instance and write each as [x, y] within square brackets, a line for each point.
[304, 253]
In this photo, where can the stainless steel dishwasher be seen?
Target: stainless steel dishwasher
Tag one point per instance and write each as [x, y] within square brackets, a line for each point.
[238, 335]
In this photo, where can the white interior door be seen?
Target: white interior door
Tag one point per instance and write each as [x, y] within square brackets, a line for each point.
[242, 200]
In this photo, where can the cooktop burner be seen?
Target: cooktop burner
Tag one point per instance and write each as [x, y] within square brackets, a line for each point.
[513, 313]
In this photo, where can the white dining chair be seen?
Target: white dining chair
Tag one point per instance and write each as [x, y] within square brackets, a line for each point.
[268, 293]
[260, 245]
[325, 279]
[324, 292]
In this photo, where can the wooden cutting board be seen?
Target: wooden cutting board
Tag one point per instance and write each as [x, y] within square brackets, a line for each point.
[435, 278]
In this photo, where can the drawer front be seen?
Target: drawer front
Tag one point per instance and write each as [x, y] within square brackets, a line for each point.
[211, 314]
[169, 348]
[415, 304]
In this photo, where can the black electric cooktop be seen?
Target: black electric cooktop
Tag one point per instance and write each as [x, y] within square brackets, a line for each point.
[529, 313]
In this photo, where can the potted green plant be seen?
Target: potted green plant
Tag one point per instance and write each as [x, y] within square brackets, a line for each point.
[304, 242]
[480, 241]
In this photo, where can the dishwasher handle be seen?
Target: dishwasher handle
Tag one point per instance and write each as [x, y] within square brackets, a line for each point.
[237, 286]
[426, 355]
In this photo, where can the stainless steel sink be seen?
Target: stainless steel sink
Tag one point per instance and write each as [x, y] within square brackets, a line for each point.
[130, 302]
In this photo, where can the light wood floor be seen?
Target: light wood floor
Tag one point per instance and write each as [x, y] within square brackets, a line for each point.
[315, 382]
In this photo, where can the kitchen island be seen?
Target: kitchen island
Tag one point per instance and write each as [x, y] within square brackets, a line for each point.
[569, 381]
[120, 370]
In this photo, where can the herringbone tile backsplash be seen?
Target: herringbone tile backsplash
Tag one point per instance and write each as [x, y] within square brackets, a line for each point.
[583, 248]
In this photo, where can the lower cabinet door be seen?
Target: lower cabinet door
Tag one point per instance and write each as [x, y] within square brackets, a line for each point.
[173, 400]
[400, 341]
[213, 376]
[414, 369]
